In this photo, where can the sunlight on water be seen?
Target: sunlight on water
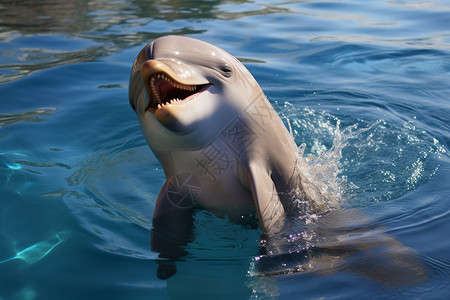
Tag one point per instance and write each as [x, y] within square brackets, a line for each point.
[36, 252]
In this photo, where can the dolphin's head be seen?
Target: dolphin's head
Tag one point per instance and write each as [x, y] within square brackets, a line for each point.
[185, 91]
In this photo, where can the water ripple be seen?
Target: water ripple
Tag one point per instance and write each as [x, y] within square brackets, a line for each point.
[27, 116]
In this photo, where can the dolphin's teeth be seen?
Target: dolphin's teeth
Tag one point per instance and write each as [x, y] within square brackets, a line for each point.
[177, 85]
[155, 93]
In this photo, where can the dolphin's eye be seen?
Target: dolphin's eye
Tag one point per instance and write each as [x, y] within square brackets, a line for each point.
[226, 71]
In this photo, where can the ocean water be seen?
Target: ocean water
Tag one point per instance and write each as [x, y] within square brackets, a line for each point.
[362, 85]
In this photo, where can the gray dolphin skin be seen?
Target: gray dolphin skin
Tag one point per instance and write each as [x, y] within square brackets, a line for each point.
[221, 144]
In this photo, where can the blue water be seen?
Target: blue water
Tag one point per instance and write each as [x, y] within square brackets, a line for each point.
[364, 85]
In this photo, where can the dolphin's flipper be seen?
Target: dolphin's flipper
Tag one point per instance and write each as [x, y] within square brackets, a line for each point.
[172, 229]
[172, 221]
[270, 211]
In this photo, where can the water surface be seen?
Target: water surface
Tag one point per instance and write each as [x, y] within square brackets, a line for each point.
[362, 84]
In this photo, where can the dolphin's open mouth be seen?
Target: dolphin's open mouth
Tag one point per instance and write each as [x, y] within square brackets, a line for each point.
[165, 91]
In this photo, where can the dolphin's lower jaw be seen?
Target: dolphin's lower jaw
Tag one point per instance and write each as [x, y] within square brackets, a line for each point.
[178, 113]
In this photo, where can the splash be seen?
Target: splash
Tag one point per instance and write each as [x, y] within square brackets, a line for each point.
[320, 169]
[360, 163]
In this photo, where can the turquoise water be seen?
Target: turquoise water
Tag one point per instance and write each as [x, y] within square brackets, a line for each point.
[364, 85]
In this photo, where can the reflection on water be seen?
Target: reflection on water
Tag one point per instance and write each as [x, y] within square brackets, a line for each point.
[71, 16]
[341, 240]
[36, 35]
[27, 116]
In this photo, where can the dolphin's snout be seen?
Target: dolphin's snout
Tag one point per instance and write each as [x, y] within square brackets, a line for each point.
[176, 70]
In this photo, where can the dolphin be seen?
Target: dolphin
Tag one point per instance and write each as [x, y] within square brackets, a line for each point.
[222, 145]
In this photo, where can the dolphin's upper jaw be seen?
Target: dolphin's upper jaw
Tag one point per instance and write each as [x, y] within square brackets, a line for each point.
[163, 90]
